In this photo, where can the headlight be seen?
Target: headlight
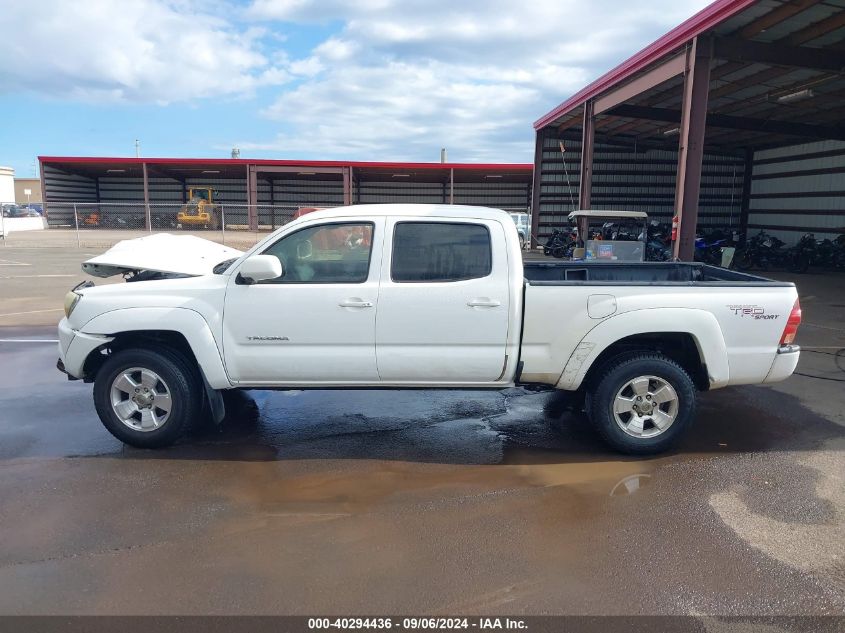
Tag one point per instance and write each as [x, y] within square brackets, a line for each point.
[71, 299]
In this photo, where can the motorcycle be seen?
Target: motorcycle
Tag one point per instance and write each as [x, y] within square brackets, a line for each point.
[763, 251]
[709, 250]
[560, 244]
[657, 248]
[803, 254]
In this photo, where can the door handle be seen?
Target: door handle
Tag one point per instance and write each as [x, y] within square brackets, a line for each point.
[355, 303]
[484, 303]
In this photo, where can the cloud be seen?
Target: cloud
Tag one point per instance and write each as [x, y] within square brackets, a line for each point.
[139, 51]
[387, 79]
[400, 79]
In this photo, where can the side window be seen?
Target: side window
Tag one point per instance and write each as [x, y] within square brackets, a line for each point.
[328, 253]
[440, 251]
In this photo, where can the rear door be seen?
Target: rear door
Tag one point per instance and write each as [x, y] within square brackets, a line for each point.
[443, 302]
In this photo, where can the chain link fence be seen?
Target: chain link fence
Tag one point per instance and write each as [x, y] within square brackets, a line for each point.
[103, 224]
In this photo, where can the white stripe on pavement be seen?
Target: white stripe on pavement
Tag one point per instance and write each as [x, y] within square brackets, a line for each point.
[29, 340]
[32, 312]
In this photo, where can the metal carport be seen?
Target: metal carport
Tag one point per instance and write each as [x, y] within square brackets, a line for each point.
[722, 91]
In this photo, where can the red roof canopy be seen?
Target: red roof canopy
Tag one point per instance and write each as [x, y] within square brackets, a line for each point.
[102, 160]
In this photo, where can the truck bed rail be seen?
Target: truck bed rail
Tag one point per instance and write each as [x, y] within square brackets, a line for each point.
[646, 273]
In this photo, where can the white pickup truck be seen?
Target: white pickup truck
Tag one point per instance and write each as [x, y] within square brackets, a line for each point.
[408, 296]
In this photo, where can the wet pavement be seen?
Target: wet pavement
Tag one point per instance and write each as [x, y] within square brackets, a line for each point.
[408, 501]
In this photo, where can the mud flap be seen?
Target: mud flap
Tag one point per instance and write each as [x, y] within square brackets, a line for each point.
[215, 402]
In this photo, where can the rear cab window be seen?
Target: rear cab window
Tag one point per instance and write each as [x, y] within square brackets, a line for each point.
[440, 252]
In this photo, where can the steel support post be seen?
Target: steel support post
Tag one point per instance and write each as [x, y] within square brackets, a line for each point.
[44, 190]
[585, 182]
[691, 145]
[252, 197]
[347, 186]
[746, 195]
[147, 215]
[76, 224]
[534, 210]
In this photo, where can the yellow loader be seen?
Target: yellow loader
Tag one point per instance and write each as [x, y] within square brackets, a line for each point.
[200, 210]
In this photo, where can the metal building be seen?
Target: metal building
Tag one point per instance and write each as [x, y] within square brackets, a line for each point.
[264, 194]
[732, 119]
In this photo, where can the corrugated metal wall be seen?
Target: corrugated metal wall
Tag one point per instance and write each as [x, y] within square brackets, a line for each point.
[61, 190]
[501, 195]
[510, 196]
[627, 177]
[799, 189]
[370, 192]
[168, 190]
[278, 198]
[295, 193]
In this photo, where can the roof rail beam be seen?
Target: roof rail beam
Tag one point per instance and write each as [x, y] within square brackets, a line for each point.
[672, 67]
[738, 49]
[771, 126]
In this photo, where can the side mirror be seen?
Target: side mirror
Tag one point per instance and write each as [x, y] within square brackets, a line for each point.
[260, 267]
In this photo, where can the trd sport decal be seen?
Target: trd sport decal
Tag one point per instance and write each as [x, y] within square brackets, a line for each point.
[752, 312]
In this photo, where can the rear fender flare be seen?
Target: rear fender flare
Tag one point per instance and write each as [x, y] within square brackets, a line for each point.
[700, 324]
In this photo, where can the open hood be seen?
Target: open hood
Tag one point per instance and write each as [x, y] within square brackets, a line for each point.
[161, 253]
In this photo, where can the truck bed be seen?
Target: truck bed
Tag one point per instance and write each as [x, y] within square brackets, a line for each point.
[556, 273]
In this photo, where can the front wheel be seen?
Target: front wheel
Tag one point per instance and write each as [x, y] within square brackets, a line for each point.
[148, 399]
[642, 403]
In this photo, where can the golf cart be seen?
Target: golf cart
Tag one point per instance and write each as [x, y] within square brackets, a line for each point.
[610, 236]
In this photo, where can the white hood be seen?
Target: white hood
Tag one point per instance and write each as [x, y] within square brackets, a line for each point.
[164, 253]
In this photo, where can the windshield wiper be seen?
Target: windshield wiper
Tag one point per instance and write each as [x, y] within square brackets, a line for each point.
[220, 268]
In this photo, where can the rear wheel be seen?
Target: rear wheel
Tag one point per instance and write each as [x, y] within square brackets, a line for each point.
[744, 260]
[799, 263]
[148, 399]
[642, 403]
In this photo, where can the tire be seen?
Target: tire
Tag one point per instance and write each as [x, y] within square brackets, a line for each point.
[559, 252]
[644, 435]
[743, 261]
[150, 375]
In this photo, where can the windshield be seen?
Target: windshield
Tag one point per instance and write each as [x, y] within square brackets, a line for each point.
[520, 219]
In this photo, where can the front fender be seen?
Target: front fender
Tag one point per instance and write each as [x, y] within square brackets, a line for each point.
[184, 321]
[701, 324]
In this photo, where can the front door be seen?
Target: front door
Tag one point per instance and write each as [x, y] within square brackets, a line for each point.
[315, 323]
[444, 302]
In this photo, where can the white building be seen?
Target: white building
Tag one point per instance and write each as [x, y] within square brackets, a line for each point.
[7, 184]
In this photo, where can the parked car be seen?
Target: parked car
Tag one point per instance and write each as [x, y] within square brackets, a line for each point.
[523, 227]
[414, 296]
[18, 211]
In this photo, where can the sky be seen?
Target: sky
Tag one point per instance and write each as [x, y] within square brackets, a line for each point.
[302, 79]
